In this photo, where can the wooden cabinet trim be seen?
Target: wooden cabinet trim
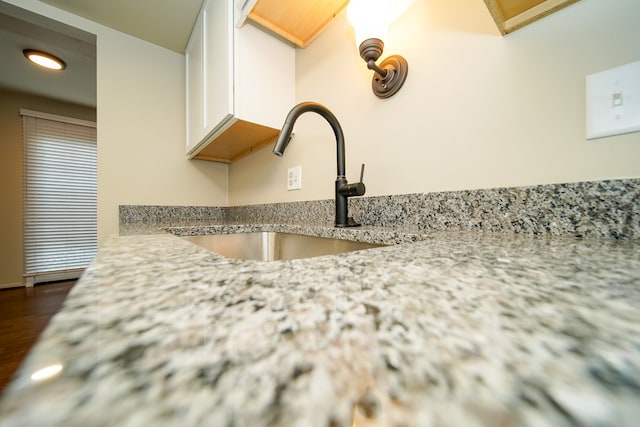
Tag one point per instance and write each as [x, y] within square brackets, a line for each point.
[298, 21]
[509, 15]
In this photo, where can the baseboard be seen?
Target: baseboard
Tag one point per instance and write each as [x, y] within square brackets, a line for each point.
[11, 285]
[52, 276]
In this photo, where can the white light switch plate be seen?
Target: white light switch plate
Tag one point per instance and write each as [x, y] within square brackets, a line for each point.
[613, 101]
[294, 178]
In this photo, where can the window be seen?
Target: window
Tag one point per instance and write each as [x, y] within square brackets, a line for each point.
[60, 218]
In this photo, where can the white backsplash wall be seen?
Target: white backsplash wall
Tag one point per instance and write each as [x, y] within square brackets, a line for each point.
[477, 110]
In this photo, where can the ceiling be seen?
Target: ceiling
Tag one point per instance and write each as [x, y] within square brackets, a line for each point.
[166, 23]
[20, 29]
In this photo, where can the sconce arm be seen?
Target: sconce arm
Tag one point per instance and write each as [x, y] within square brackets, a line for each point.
[371, 64]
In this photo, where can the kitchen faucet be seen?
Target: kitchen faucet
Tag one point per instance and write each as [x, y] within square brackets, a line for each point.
[344, 190]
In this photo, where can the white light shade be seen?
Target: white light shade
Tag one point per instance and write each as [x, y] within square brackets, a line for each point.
[368, 18]
[371, 18]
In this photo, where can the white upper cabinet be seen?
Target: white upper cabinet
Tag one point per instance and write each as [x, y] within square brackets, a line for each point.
[240, 85]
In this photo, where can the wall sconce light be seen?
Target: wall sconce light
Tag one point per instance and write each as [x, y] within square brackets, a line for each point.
[370, 20]
[44, 59]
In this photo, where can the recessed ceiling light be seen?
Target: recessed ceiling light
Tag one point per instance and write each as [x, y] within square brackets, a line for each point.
[44, 59]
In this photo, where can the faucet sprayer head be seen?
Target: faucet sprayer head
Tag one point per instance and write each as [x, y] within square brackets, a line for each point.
[281, 144]
[284, 138]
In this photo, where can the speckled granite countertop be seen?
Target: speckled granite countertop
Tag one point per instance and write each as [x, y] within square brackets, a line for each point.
[455, 329]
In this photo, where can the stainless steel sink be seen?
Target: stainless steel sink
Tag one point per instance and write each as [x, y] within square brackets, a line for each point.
[271, 246]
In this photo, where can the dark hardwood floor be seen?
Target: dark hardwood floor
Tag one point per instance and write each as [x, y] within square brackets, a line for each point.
[24, 313]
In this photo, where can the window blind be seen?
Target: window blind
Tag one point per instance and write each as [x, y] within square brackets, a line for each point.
[59, 193]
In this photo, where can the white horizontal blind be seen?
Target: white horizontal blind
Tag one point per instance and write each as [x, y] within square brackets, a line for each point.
[60, 214]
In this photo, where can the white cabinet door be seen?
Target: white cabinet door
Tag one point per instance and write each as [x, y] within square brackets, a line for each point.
[218, 63]
[264, 78]
[194, 90]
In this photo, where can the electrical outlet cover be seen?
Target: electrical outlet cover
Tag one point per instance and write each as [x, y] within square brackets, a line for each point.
[294, 178]
[613, 101]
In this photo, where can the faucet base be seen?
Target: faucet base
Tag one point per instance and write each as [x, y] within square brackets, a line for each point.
[350, 223]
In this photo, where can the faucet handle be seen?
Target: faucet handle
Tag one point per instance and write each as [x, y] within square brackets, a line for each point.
[355, 189]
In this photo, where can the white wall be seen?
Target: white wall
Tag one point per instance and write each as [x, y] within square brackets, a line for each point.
[140, 116]
[477, 110]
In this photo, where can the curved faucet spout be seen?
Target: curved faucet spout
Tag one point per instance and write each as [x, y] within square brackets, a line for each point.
[343, 190]
[297, 111]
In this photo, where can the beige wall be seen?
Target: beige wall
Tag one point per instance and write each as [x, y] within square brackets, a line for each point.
[11, 257]
[141, 133]
[477, 111]
[140, 115]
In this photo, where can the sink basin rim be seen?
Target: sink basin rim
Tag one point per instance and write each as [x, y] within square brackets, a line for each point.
[275, 246]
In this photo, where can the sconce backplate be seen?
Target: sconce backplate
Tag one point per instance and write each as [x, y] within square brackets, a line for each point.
[397, 70]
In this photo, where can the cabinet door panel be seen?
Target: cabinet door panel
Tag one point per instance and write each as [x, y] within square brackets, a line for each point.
[218, 62]
[264, 76]
[194, 61]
